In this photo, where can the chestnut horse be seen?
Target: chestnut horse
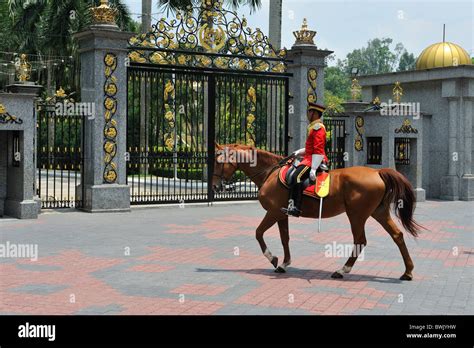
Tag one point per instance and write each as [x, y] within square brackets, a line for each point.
[360, 192]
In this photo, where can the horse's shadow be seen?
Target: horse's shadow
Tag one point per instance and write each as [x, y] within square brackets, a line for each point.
[304, 274]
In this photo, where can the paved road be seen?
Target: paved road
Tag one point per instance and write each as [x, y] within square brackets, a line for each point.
[201, 260]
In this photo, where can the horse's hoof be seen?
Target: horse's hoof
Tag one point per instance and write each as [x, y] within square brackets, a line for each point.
[275, 261]
[337, 275]
[280, 270]
[406, 277]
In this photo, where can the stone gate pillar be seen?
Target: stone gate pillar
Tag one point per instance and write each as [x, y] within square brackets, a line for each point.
[18, 197]
[450, 182]
[307, 64]
[103, 53]
[467, 179]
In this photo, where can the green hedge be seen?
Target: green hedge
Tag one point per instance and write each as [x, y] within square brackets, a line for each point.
[189, 174]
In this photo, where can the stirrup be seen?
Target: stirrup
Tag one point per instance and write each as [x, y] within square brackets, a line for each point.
[291, 206]
[294, 212]
[291, 211]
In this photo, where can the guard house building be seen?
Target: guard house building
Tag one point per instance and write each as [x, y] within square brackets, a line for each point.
[17, 156]
[428, 135]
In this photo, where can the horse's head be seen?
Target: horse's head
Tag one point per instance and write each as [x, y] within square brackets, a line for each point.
[224, 168]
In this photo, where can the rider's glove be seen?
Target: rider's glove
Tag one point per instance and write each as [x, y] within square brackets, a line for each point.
[299, 152]
[315, 163]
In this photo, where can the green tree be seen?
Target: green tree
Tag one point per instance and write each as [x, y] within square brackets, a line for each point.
[7, 41]
[333, 104]
[407, 62]
[173, 5]
[44, 28]
[48, 25]
[337, 82]
[376, 58]
[7, 36]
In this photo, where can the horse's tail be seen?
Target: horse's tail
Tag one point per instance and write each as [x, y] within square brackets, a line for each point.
[398, 190]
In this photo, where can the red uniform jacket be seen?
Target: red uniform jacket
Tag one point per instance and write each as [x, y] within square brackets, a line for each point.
[315, 143]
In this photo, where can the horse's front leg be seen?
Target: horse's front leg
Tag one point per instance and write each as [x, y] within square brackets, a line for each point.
[285, 241]
[267, 222]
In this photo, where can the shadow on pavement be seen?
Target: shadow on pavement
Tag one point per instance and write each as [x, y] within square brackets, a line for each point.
[306, 274]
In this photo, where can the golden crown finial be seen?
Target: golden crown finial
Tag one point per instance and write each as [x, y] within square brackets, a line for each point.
[104, 14]
[304, 36]
[23, 68]
[355, 90]
[397, 92]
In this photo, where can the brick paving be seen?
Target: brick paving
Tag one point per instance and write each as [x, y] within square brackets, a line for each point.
[205, 260]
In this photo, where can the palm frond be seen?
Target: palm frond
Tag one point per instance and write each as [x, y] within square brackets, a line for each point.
[27, 25]
[174, 5]
[124, 18]
[253, 4]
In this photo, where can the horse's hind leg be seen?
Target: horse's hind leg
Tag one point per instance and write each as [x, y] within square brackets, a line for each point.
[360, 241]
[382, 215]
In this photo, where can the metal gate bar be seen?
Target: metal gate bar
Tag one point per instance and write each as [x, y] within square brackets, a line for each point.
[59, 158]
[335, 142]
[166, 141]
[171, 141]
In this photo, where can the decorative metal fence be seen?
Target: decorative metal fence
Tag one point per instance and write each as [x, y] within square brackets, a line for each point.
[59, 157]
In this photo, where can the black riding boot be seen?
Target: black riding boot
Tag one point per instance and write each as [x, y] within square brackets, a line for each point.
[296, 195]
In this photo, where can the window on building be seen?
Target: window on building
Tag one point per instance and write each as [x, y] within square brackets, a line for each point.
[402, 151]
[374, 150]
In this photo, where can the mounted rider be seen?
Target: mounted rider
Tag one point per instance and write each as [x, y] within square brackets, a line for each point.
[313, 155]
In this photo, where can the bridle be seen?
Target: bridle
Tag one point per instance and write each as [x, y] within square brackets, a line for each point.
[221, 175]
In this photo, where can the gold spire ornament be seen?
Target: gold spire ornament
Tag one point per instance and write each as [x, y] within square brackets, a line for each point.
[397, 92]
[60, 93]
[104, 14]
[355, 90]
[5, 116]
[24, 69]
[304, 36]
[406, 128]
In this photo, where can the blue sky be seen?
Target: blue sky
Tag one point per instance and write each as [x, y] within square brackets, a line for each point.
[345, 25]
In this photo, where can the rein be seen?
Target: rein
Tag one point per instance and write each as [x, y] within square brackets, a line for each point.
[280, 164]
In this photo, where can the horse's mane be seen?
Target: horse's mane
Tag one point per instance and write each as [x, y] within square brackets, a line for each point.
[272, 157]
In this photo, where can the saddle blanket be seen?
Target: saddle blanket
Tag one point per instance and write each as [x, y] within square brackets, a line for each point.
[318, 190]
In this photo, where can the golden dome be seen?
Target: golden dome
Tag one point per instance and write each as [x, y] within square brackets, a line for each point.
[442, 54]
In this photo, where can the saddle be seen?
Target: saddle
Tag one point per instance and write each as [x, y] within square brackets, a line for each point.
[316, 190]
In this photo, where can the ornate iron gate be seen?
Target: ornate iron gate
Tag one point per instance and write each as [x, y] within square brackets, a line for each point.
[193, 82]
[335, 142]
[59, 157]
